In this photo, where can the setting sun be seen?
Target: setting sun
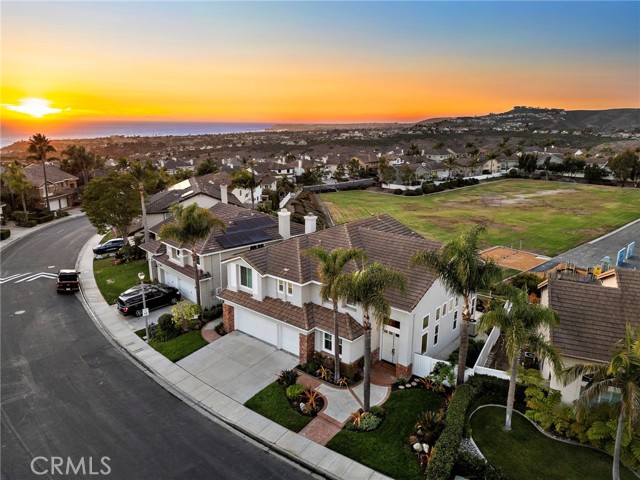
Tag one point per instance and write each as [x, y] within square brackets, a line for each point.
[36, 107]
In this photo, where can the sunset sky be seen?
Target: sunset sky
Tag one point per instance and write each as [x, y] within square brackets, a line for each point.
[313, 61]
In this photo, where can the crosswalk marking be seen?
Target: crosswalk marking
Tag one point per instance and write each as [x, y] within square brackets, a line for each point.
[13, 277]
[27, 277]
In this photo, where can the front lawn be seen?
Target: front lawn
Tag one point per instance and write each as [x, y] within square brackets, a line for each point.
[271, 402]
[387, 449]
[180, 347]
[113, 279]
[525, 453]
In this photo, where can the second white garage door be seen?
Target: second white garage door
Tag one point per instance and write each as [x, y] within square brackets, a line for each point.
[256, 326]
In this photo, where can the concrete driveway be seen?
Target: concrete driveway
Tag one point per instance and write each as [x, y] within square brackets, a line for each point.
[238, 365]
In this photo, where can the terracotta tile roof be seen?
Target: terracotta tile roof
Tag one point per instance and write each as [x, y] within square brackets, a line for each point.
[307, 317]
[593, 317]
[231, 214]
[383, 239]
[187, 270]
[35, 175]
[153, 246]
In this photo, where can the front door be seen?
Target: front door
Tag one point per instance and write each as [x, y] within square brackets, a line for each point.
[390, 343]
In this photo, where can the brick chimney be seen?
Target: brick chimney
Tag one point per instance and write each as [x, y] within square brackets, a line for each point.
[310, 223]
[224, 196]
[284, 223]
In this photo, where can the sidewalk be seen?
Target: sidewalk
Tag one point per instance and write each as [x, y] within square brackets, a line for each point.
[202, 395]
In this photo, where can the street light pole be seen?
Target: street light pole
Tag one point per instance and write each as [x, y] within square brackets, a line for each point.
[144, 305]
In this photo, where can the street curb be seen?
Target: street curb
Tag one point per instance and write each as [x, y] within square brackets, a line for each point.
[266, 445]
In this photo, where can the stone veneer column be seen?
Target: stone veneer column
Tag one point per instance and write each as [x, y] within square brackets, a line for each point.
[228, 319]
[404, 371]
[307, 347]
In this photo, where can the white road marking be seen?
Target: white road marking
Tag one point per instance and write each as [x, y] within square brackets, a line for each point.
[20, 312]
[38, 275]
[13, 277]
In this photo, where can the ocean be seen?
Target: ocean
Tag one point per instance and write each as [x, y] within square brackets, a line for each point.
[10, 134]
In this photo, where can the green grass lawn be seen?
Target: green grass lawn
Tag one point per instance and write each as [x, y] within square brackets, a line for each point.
[387, 449]
[525, 453]
[180, 347]
[271, 402]
[547, 217]
[113, 279]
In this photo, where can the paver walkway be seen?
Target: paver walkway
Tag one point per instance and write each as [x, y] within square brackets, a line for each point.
[321, 429]
[208, 331]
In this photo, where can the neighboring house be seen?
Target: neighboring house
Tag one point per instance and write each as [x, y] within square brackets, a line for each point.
[173, 165]
[61, 186]
[438, 154]
[170, 262]
[204, 190]
[273, 294]
[593, 317]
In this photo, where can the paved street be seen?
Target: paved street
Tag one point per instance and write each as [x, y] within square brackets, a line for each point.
[69, 392]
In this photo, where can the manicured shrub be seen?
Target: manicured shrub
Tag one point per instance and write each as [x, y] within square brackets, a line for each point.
[378, 411]
[220, 330]
[363, 421]
[19, 216]
[212, 313]
[398, 191]
[166, 329]
[288, 378]
[5, 233]
[475, 468]
[295, 390]
[446, 448]
[494, 390]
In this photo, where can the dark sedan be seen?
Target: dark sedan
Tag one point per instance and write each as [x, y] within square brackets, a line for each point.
[155, 296]
[109, 246]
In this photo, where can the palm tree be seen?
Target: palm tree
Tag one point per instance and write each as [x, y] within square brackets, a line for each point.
[330, 267]
[191, 225]
[463, 271]
[16, 181]
[520, 323]
[621, 373]
[39, 146]
[450, 163]
[80, 161]
[366, 287]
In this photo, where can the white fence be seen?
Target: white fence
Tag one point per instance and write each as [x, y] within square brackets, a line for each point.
[424, 365]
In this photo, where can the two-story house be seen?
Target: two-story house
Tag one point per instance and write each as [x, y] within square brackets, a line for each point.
[62, 187]
[593, 317]
[171, 262]
[273, 293]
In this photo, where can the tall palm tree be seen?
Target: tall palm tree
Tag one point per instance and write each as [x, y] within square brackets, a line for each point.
[367, 287]
[621, 373]
[462, 270]
[16, 181]
[520, 322]
[450, 163]
[190, 225]
[330, 266]
[39, 146]
[81, 161]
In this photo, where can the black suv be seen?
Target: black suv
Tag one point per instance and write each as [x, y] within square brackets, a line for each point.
[68, 281]
[109, 246]
[155, 296]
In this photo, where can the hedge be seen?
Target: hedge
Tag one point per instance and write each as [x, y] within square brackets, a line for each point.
[446, 448]
[4, 233]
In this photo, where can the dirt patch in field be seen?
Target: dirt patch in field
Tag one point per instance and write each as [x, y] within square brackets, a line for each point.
[524, 198]
[513, 258]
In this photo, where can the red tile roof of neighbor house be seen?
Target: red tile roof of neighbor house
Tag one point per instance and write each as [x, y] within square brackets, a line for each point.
[382, 237]
[594, 317]
[205, 185]
[186, 270]
[266, 225]
[307, 317]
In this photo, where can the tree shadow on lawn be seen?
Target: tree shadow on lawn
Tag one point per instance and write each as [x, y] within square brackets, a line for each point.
[526, 454]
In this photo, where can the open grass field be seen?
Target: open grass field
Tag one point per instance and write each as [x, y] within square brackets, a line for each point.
[538, 216]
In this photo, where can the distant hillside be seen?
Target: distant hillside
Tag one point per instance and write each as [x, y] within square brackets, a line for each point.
[534, 118]
[313, 127]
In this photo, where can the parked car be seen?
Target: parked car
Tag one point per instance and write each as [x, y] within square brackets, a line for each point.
[68, 281]
[109, 246]
[155, 296]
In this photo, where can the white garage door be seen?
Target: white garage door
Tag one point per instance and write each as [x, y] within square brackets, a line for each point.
[258, 327]
[63, 203]
[290, 340]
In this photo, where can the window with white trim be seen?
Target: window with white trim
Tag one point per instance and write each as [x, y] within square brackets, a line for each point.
[246, 277]
[327, 342]
[444, 309]
[435, 335]
[425, 321]
[281, 286]
[425, 341]
[451, 304]
[456, 301]
[437, 314]
[289, 288]
[455, 319]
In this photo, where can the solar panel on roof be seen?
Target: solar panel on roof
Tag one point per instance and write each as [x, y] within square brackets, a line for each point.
[252, 223]
[237, 239]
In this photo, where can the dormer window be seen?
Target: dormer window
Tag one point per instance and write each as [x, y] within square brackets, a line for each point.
[246, 277]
